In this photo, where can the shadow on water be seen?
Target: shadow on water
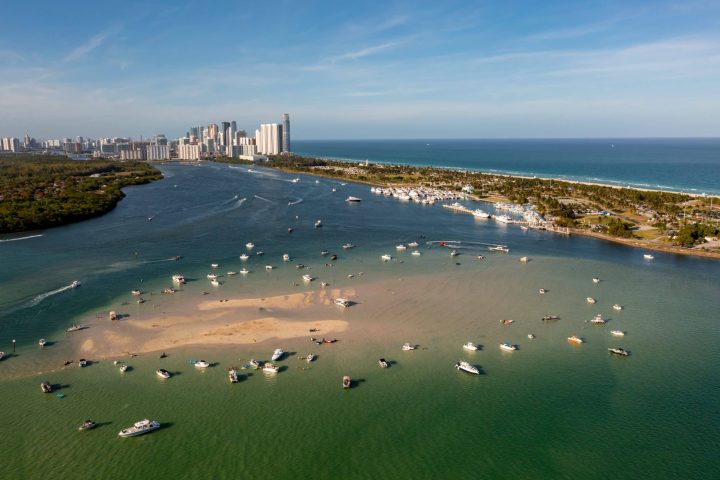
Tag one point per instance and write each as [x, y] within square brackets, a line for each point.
[356, 382]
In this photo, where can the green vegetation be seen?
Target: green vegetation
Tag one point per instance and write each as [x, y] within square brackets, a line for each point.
[695, 233]
[619, 228]
[47, 191]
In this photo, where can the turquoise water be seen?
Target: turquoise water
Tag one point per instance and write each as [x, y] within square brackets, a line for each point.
[548, 410]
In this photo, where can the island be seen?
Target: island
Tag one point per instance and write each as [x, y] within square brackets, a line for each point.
[43, 191]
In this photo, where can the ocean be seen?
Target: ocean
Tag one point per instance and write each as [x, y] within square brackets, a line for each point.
[683, 165]
[549, 410]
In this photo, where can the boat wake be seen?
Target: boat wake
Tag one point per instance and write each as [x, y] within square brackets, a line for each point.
[2, 240]
[295, 202]
[263, 199]
[35, 301]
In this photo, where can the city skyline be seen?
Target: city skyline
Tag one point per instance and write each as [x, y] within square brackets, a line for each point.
[397, 70]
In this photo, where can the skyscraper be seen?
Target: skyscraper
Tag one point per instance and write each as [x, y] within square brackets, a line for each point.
[285, 132]
[225, 126]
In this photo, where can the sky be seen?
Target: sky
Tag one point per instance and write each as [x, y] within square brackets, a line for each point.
[370, 69]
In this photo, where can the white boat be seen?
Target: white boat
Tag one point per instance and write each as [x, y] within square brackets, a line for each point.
[503, 218]
[575, 339]
[524, 259]
[254, 363]
[244, 271]
[618, 351]
[277, 354]
[499, 248]
[231, 274]
[260, 252]
[214, 265]
[286, 257]
[318, 223]
[46, 387]
[270, 368]
[508, 347]
[416, 253]
[477, 213]
[244, 257]
[413, 244]
[295, 180]
[42, 342]
[596, 280]
[348, 246]
[454, 253]
[136, 293]
[383, 363]
[342, 302]
[647, 256]
[123, 368]
[598, 320]
[590, 300]
[268, 267]
[233, 375]
[531, 336]
[249, 245]
[75, 284]
[407, 347]
[310, 357]
[178, 278]
[617, 333]
[324, 284]
[87, 425]
[139, 428]
[214, 283]
[401, 247]
[82, 363]
[353, 199]
[307, 278]
[470, 346]
[542, 291]
[162, 373]
[74, 328]
[346, 382]
[2, 355]
[466, 367]
[201, 364]
[386, 257]
[617, 306]
[324, 252]
[212, 276]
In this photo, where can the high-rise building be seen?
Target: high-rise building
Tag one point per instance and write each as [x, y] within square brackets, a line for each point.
[269, 138]
[189, 152]
[213, 131]
[224, 127]
[286, 132]
[233, 125]
[158, 152]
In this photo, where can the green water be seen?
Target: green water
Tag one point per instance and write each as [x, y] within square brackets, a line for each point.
[549, 410]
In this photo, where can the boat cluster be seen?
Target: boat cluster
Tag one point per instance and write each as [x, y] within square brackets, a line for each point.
[424, 195]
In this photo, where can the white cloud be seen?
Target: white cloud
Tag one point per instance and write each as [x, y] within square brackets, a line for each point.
[94, 42]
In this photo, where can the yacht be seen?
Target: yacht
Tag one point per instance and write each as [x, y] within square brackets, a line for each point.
[647, 256]
[617, 333]
[348, 246]
[136, 293]
[617, 306]
[466, 367]
[200, 364]
[277, 354]
[524, 259]
[413, 244]
[342, 302]
[212, 276]
[318, 223]
[42, 342]
[353, 199]
[307, 278]
[598, 320]
[386, 257]
[244, 271]
[470, 346]
[46, 387]
[270, 368]
[87, 425]
[82, 363]
[161, 372]
[310, 357]
[233, 375]
[531, 336]
[618, 351]
[416, 253]
[383, 363]
[249, 245]
[178, 279]
[286, 257]
[214, 265]
[590, 300]
[407, 347]
[508, 346]
[575, 339]
[542, 291]
[268, 267]
[401, 247]
[346, 382]
[214, 283]
[596, 280]
[480, 214]
[503, 218]
[139, 428]
[244, 257]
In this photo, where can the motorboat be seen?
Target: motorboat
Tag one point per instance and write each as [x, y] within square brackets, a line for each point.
[617, 306]
[75, 284]
[87, 425]
[346, 382]
[270, 368]
[407, 347]
[647, 256]
[499, 248]
[400, 248]
[454, 253]
[416, 253]
[596, 280]
[46, 387]
[466, 367]
[42, 342]
[140, 428]
[618, 351]
[168, 290]
[413, 244]
[214, 283]
[295, 180]
[503, 219]
[277, 354]
[546, 318]
[123, 368]
[112, 315]
[74, 328]
[178, 279]
[508, 347]
[598, 320]
[307, 278]
[342, 302]
[507, 322]
[524, 259]
[299, 266]
[542, 291]
[200, 364]
[2, 355]
[318, 223]
[162, 373]
[233, 375]
[268, 267]
[254, 363]
[231, 274]
[329, 340]
[353, 199]
[136, 293]
[82, 363]
[324, 252]
[333, 257]
[249, 245]
[478, 213]
[244, 257]
[470, 346]
[348, 246]
[617, 333]
[324, 284]
[575, 339]
[531, 336]
[214, 265]
[212, 276]
[310, 357]
[524, 228]
[290, 229]
[590, 300]
[286, 257]
[386, 257]
[383, 363]
[260, 252]
[244, 271]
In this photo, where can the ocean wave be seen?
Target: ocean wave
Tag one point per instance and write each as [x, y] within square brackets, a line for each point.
[2, 240]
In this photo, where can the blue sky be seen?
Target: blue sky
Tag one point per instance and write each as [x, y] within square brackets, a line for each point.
[390, 69]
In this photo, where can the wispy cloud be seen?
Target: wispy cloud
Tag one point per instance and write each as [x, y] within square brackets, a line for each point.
[94, 42]
[366, 52]
[572, 32]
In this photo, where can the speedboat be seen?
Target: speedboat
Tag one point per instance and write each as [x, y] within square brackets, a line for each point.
[123, 368]
[545, 318]
[346, 382]
[401, 247]
[161, 372]
[407, 347]
[260, 252]
[590, 300]
[233, 375]
[82, 363]
[416, 253]
[87, 425]
[413, 244]
[342, 302]
[507, 322]
[508, 346]
[212, 276]
[268, 267]
[333, 257]
[136, 293]
[74, 328]
[201, 364]
[598, 319]
[383, 363]
[270, 368]
[596, 280]
[295, 180]
[310, 357]
[214, 283]
[353, 199]
[466, 367]
[575, 339]
[617, 333]
[75, 284]
[618, 351]
[42, 342]
[542, 291]
[249, 245]
[46, 387]
[178, 279]
[499, 248]
[524, 259]
[386, 257]
[454, 253]
[324, 284]
[617, 306]
[478, 213]
[214, 265]
[254, 363]
[470, 346]
[348, 246]
[318, 223]
[307, 278]
[244, 257]
[531, 336]
[244, 271]
[647, 256]
[231, 274]
[139, 428]
[324, 252]
[286, 257]
[277, 354]
[2, 355]
[299, 266]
